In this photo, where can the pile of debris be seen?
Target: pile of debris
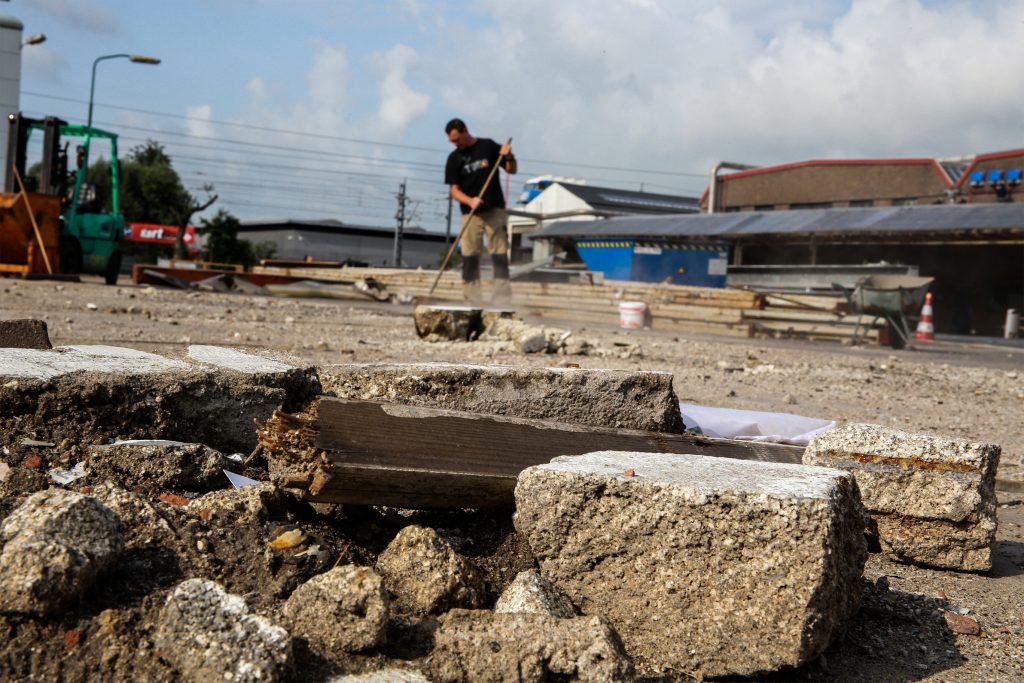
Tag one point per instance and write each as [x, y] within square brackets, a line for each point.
[346, 547]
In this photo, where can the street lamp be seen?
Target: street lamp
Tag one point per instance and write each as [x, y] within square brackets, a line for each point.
[34, 40]
[139, 59]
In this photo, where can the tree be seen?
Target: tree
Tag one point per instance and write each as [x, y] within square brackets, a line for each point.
[221, 243]
[151, 190]
[153, 193]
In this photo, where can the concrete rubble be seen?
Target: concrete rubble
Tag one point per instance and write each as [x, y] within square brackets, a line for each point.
[931, 498]
[531, 593]
[477, 645]
[462, 323]
[154, 466]
[527, 338]
[340, 611]
[707, 565]
[601, 398]
[680, 565]
[96, 393]
[55, 545]
[448, 323]
[210, 635]
[427, 575]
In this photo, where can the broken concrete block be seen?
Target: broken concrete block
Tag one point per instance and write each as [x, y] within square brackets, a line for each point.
[489, 315]
[447, 323]
[248, 505]
[531, 593]
[341, 611]
[208, 634]
[144, 526]
[601, 398]
[55, 545]
[153, 466]
[706, 565]
[426, 575]
[932, 498]
[477, 645]
[525, 338]
[24, 334]
[92, 393]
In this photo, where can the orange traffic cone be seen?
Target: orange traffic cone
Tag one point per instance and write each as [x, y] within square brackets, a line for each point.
[926, 327]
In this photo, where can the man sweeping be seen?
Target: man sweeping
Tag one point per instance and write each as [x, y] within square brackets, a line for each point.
[470, 173]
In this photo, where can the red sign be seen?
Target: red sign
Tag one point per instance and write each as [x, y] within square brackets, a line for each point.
[161, 234]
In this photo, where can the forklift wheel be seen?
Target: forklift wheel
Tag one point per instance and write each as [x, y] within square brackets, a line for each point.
[70, 256]
[113, 268]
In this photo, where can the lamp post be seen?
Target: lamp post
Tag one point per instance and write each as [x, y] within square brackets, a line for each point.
[138, 59]
[34, 39]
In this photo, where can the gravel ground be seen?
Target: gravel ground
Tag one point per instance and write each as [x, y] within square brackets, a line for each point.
[971, 390]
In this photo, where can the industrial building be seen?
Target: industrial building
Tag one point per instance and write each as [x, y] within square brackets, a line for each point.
[332, 240]
[546, 200]
[858, 183]
[974, 251]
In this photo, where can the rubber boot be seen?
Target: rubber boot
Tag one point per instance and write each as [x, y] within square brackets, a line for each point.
[471, 290]
[502, 289]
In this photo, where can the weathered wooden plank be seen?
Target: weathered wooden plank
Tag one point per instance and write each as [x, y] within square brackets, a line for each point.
[342, 451]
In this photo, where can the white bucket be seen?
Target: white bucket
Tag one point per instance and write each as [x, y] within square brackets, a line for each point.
[632, 314]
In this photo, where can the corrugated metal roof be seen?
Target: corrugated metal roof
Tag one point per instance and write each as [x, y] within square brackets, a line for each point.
[634, 202]
[331, 225]
[941, 218]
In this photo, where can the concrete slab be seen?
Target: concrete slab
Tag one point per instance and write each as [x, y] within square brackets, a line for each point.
[91, 394]
[43, 364]
[932, 498]
[601, 398]
[249, 362]
[703, 565]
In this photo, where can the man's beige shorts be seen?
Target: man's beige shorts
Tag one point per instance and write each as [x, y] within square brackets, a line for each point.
[493, 222]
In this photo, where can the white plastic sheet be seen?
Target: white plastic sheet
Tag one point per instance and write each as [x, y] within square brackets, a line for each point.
[754, 425]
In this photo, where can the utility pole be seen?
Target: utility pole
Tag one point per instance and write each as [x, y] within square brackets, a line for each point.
[400, 227]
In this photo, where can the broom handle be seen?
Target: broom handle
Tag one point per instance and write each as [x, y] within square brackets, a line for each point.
[465, 223]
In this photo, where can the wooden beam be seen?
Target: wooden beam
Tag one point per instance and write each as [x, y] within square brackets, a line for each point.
[362, 452]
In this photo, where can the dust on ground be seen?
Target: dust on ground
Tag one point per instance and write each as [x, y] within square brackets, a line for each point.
[970, 390]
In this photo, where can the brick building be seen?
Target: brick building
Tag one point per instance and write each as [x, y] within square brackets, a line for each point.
[852, 183]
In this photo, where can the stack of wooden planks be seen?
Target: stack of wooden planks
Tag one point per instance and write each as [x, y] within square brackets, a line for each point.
[677, 308]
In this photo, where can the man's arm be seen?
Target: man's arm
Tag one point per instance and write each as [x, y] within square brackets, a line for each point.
[463, 198]
[509, 161]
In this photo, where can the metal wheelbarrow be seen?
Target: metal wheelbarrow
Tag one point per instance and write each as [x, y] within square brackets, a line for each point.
[892, 297]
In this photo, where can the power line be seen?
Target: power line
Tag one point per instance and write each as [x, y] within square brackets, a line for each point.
[358, 140]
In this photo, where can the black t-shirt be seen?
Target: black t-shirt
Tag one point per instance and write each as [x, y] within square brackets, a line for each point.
[468, 168]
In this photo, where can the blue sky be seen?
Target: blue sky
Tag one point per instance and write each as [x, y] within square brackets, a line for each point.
[319, 109]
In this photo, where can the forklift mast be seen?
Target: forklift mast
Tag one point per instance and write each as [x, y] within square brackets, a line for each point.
[54, 167]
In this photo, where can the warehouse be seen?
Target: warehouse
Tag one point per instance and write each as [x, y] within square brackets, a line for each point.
[846, 183]
[974, 251]
[332, 240]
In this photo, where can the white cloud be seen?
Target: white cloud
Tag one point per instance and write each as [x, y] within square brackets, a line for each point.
[399, 105]
[675, 85]
[89, 16]
[257, 88]
[38, 61]
[199, 121]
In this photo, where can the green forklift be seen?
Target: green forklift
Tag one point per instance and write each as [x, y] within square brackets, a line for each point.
[86, 235]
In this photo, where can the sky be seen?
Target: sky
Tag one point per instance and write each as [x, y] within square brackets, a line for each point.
[317, 109]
